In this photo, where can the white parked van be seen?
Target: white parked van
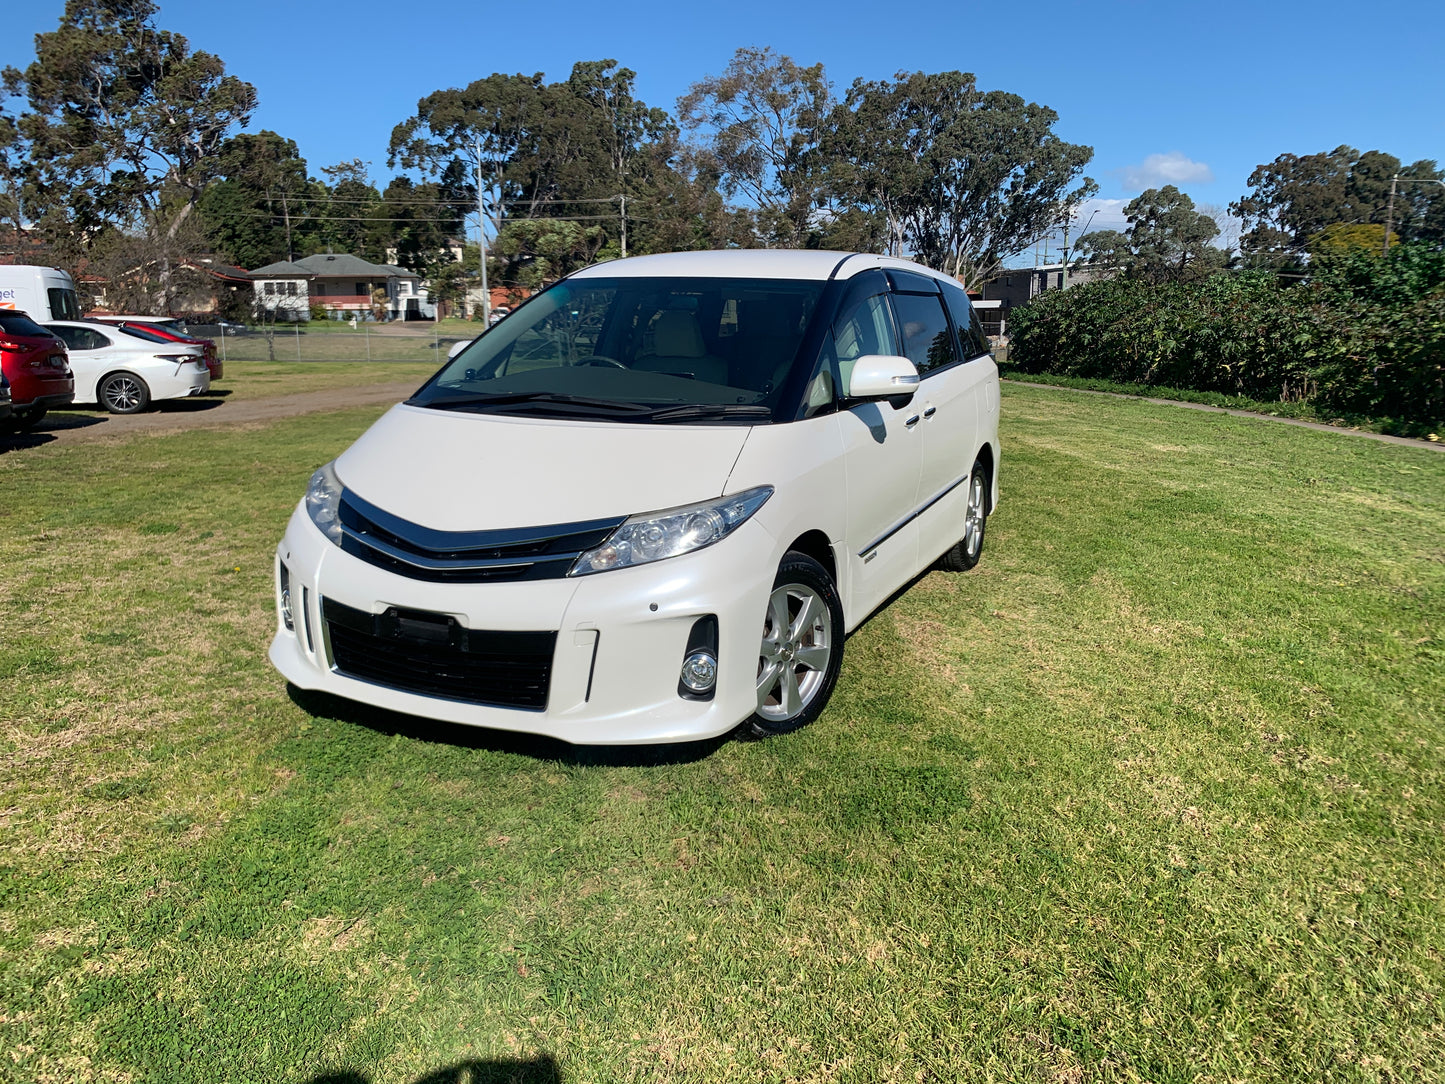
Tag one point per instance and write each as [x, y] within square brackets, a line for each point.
[649, 505]
[43, 293]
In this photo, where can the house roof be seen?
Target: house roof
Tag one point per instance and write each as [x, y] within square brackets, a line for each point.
[277, 270]
[343, 265]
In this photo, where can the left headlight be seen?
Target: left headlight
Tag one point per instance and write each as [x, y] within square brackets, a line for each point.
[655, 536]
[323, 502]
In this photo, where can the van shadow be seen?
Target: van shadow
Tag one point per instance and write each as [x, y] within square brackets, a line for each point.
[395, 724]
[542, 1070]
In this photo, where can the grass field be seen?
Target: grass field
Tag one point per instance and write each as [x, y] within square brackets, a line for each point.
[1155, 793]
[246, 380]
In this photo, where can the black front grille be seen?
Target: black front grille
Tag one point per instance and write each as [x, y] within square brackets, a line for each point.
[421, 553]
[434, 655]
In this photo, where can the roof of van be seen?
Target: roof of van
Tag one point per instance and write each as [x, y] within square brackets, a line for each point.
[762, 263]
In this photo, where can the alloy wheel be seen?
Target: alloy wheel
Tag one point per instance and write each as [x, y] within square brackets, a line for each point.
[796, 648]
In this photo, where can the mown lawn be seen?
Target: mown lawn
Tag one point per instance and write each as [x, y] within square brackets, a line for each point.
[1155, 793]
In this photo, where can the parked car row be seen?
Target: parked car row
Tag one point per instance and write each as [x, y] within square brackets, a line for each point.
[120, 363]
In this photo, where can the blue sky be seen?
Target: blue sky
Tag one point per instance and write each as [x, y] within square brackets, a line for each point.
[1189, 93]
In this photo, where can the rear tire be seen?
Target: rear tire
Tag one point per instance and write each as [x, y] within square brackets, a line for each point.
[123, 393]
[801, 652]
[967, 550]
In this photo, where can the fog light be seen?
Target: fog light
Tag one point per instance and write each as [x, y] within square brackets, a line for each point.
[699, 671]
[286, 599]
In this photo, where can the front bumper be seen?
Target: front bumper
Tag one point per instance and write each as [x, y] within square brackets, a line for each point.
[621, 636]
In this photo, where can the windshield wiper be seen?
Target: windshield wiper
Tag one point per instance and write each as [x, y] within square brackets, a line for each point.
[692, 411]
[542, 397]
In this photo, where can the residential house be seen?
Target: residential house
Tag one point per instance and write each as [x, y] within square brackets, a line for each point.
[345, 286]
[1020, 285]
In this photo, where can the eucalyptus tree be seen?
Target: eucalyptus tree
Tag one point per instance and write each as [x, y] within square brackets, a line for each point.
[124, 121]
[962, 178]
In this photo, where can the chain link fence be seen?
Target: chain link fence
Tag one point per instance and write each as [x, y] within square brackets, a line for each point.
[326, 341]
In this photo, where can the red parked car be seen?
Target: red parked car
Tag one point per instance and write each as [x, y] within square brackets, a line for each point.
[38, 368]
[171, 330]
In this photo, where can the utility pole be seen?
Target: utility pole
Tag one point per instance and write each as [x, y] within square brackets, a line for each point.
[623, 199]
[1389, 216]
[482, 242]
[1390, 209]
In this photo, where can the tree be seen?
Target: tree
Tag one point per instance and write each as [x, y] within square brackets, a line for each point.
[125, 122]
[1295, 198]
[964, 178]
[1167, 240]
[761, 123]
[257, 213]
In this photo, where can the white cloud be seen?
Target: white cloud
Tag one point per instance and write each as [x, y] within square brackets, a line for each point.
[1160, 169]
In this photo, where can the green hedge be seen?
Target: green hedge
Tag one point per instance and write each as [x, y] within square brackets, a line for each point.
[1366, 336]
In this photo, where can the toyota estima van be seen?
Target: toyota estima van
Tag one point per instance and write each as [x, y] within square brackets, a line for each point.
[650, 504]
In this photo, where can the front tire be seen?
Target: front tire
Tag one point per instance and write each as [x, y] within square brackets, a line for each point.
[124, 393]
[801, 652]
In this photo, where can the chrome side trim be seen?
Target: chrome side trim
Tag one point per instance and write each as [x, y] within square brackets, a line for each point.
[906, 520]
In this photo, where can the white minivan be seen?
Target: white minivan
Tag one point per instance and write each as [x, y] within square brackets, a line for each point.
[650, 504]
[45, 293]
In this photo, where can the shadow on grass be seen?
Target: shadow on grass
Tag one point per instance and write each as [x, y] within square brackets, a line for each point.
[541, 1070]
[393, 723]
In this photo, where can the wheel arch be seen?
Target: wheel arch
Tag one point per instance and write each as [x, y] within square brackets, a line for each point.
[986, 457]
[815, 544]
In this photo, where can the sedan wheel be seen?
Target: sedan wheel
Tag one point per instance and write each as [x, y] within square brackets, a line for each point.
[801, 650]
[124, 393]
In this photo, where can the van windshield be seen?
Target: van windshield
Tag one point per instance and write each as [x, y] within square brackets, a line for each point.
[636, 349]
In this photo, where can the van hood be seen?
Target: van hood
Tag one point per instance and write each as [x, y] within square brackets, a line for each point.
[455, 471]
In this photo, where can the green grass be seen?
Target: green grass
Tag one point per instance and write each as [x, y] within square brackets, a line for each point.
[1302, 411]
[1155, 793]
[264, 379]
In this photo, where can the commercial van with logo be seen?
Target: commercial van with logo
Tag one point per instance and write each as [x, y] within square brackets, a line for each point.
[44, 293]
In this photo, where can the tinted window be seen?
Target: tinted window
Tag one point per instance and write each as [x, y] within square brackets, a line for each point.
[82, 338]
[970, 329]
[927, 340]
[17, 323]
[139, 331]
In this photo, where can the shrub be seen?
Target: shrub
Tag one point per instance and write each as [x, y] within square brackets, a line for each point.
[1366, 335]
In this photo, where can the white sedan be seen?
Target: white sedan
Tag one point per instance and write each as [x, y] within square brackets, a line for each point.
[125, 370]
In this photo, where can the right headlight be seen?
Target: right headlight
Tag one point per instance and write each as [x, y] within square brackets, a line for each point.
[323, 502]
[656, 536]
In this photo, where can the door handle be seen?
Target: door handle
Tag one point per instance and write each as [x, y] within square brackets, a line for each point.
[911, 422]
[930, 412]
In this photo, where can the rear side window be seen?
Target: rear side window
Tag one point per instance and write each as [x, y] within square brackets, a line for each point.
[63, 305]
[82, 338]
[927, 339]
[139, 331]
[17, 323]
[970, 329]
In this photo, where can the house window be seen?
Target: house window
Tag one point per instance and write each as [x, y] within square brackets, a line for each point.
[268, 288]
[362, 290]
[291, 289]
